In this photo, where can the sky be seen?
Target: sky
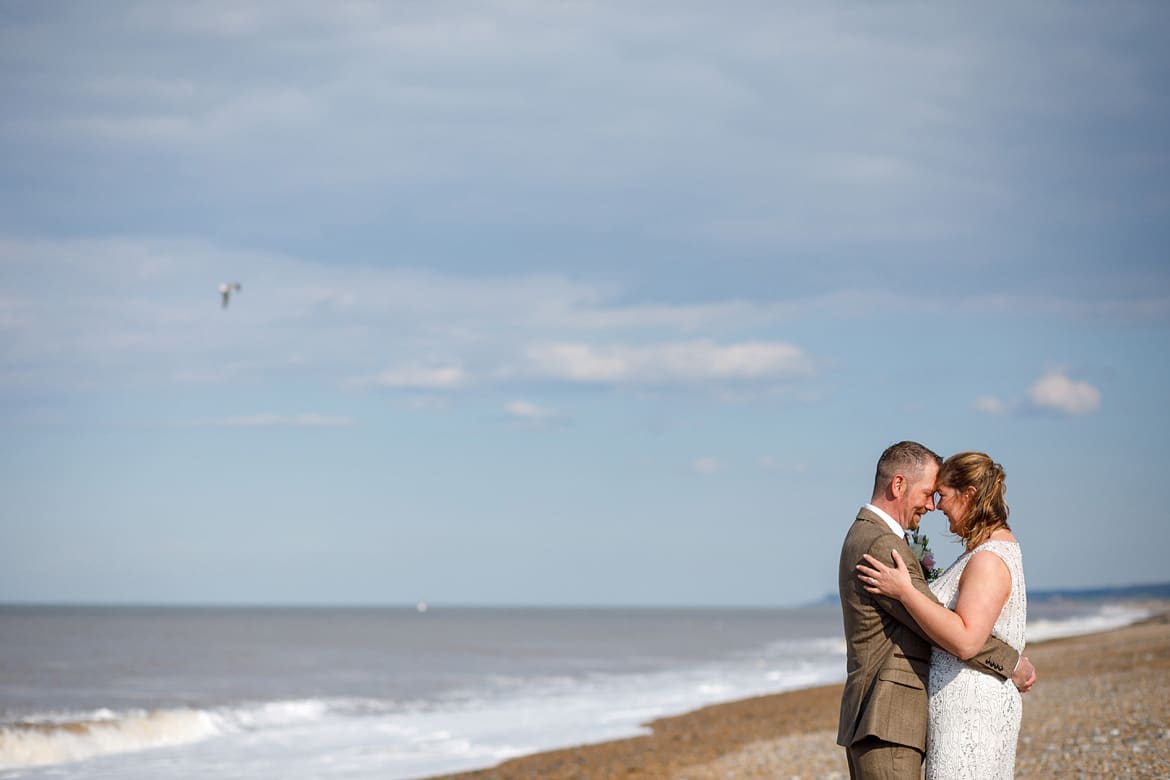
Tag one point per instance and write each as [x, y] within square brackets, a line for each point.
[570, 303]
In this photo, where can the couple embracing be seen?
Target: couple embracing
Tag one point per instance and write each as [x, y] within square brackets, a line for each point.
[935, 671]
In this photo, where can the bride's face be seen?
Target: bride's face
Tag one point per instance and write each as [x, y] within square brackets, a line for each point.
[954, 504]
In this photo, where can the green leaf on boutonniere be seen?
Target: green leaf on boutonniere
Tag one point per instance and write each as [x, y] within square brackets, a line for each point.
[920, 546]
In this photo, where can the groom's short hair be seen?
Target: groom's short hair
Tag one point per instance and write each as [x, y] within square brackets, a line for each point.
[908, 458]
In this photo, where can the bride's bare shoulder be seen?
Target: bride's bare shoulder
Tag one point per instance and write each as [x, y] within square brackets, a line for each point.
[1004, 535]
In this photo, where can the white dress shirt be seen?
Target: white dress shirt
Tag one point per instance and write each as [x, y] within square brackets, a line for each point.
[893, 524]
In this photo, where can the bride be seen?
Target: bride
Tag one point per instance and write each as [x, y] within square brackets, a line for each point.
[974, 718]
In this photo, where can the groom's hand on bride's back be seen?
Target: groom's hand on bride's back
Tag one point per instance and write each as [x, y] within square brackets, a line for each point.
[1024, 675]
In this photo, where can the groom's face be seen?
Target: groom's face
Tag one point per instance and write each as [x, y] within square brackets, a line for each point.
[918, 498]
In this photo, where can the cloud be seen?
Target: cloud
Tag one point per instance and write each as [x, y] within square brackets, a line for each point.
[527, 414]
[1055, 392]
[989, 404]
[610, 147]
[422, 378]
[528, 411]
[706, 465]
[669, 363]
[678, 362]
[424, 402]
[306, 420]
[133, 311]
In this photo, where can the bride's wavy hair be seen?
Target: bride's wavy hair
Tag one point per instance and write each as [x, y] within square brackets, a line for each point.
[987, 510]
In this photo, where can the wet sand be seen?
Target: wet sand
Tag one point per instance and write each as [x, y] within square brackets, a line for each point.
[1100, 710]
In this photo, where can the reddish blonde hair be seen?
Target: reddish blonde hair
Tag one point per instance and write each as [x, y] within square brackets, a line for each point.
[987, 510]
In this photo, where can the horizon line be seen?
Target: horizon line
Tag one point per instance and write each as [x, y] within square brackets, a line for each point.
[429, 605]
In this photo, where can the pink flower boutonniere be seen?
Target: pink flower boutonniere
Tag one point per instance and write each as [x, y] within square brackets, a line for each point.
[920, 546]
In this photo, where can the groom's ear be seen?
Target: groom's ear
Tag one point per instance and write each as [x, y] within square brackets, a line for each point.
[898, 485]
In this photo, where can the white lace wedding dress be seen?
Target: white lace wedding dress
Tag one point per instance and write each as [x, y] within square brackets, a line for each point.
[974, 716]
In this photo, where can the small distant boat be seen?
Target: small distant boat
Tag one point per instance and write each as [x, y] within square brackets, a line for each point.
[421, 607]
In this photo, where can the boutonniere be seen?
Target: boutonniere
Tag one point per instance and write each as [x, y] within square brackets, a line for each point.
[920, 546]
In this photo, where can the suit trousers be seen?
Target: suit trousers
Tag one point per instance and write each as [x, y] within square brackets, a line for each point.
[875, 759]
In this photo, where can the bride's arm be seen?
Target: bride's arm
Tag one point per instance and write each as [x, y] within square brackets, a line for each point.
[983, 590]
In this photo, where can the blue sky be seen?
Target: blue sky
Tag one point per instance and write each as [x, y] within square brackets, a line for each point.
[569, 303]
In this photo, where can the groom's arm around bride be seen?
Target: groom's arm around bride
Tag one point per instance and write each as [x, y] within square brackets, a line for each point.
[883, 706]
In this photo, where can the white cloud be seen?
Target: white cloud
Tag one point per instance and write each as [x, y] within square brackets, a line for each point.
[526, 410]
[147, 310]
[137, 311]
[706, 465]
[424, 402]
[1055, 392]
[422, 377]
[692, 361]
[990, 404]
[306, 420]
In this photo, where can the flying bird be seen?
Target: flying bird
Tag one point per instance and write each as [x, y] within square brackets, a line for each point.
[226, 291]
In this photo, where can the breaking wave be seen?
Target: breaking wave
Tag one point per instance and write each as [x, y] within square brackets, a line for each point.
[26, 744]
[65, 739]
[1107, 618]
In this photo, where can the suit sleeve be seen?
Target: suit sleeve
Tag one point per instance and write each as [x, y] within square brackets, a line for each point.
[996, 658]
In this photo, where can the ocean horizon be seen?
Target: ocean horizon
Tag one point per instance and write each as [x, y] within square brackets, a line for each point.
[151, 691]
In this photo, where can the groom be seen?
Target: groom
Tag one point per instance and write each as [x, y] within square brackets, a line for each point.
[883, 706]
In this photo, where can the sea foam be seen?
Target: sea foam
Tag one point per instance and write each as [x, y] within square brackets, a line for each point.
[28, 744]
[61, 739]
[1107, 618]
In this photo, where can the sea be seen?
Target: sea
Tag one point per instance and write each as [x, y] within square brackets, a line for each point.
[409, 692]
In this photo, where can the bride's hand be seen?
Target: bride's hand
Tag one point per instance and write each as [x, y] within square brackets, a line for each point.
[882, 580]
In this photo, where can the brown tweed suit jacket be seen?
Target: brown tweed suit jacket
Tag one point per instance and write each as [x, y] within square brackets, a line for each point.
[888, 655]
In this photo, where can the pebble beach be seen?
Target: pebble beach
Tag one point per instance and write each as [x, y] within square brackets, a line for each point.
[1100, 710]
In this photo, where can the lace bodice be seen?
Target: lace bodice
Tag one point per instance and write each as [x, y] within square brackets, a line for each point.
[1013, 617]
[974, 717]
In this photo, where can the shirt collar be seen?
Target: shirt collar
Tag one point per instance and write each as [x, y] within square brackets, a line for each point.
[893, 524]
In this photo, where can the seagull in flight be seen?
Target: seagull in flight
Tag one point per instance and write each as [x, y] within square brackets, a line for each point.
[226, 291]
